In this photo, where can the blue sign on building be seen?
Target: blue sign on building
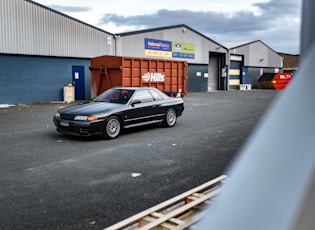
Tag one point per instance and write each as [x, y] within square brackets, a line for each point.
[154, 44]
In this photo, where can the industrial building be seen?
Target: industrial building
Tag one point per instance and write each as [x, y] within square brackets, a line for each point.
[249, 60]
[42, 50]
[206, 58]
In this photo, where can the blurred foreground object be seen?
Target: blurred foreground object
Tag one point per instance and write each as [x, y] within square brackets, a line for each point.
[272, 186]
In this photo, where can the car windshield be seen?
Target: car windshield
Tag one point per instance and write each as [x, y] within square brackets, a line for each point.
[119, 96]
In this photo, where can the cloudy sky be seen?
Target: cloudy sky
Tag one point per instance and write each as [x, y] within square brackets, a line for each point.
[274, 22]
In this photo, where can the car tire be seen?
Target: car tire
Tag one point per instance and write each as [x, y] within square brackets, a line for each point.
[112, 128]
[170, 118]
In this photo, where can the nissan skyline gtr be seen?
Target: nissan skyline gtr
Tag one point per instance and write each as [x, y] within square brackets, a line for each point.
[119, 108]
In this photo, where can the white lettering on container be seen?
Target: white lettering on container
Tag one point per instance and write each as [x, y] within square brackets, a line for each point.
[153, 77]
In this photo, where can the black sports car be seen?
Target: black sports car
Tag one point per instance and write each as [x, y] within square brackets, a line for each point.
[117, 108]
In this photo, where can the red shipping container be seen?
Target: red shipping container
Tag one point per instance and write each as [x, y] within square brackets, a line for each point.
[281, 80]
[169, 76]
[275, 81]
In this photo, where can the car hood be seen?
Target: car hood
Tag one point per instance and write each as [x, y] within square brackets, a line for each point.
[90, 108]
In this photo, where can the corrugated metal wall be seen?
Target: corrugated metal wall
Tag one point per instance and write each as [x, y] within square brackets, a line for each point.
[31, 79]
[258, 54]
[29, 28]
[133, 45]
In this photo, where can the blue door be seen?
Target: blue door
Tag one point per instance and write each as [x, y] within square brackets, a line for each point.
[78, 82]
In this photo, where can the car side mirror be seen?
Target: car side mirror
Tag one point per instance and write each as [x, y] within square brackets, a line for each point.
[135, 102]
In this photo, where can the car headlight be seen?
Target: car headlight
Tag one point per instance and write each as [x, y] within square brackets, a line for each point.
[57, 114]
[80, 118]
[85, 118]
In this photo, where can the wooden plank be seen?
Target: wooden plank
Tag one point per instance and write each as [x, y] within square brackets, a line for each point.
[190, 222]
[179, 211]
[164, 226]
[196, 195]
[160, 215]
[164, 204]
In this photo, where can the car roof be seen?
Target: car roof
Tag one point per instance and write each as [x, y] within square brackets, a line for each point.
[133, 88]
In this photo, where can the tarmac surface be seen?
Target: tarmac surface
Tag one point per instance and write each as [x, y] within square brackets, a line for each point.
[50, 181]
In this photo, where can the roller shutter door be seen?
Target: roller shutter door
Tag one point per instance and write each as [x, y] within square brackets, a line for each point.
[235, 75]
[213, 76]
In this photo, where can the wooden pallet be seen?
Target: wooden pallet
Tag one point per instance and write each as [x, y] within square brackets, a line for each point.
[177, 213]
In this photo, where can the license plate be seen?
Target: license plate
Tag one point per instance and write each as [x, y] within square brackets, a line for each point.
[66, 124]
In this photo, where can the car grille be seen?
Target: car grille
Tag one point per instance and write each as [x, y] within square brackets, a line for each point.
[67, 117]
[84, 131]
[73, 130]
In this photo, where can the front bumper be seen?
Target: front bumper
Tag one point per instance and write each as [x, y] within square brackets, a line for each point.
[79, 128]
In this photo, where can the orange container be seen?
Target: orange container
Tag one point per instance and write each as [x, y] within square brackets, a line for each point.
[169, 76]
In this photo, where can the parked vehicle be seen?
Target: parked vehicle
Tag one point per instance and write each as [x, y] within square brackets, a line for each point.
[118, 108]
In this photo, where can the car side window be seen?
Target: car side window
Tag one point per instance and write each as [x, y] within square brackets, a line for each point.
[143, 96]
[155, 95]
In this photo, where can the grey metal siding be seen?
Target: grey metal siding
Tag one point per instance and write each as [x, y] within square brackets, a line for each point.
[31, 79]
[275, 60]
[257, 54]
[133, 45]
[29, 28]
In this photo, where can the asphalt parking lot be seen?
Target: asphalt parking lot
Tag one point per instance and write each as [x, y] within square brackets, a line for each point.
[50, 181]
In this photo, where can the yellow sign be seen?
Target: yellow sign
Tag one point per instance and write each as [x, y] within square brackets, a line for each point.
[183, 50]
[158, 53]
[168, 49]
